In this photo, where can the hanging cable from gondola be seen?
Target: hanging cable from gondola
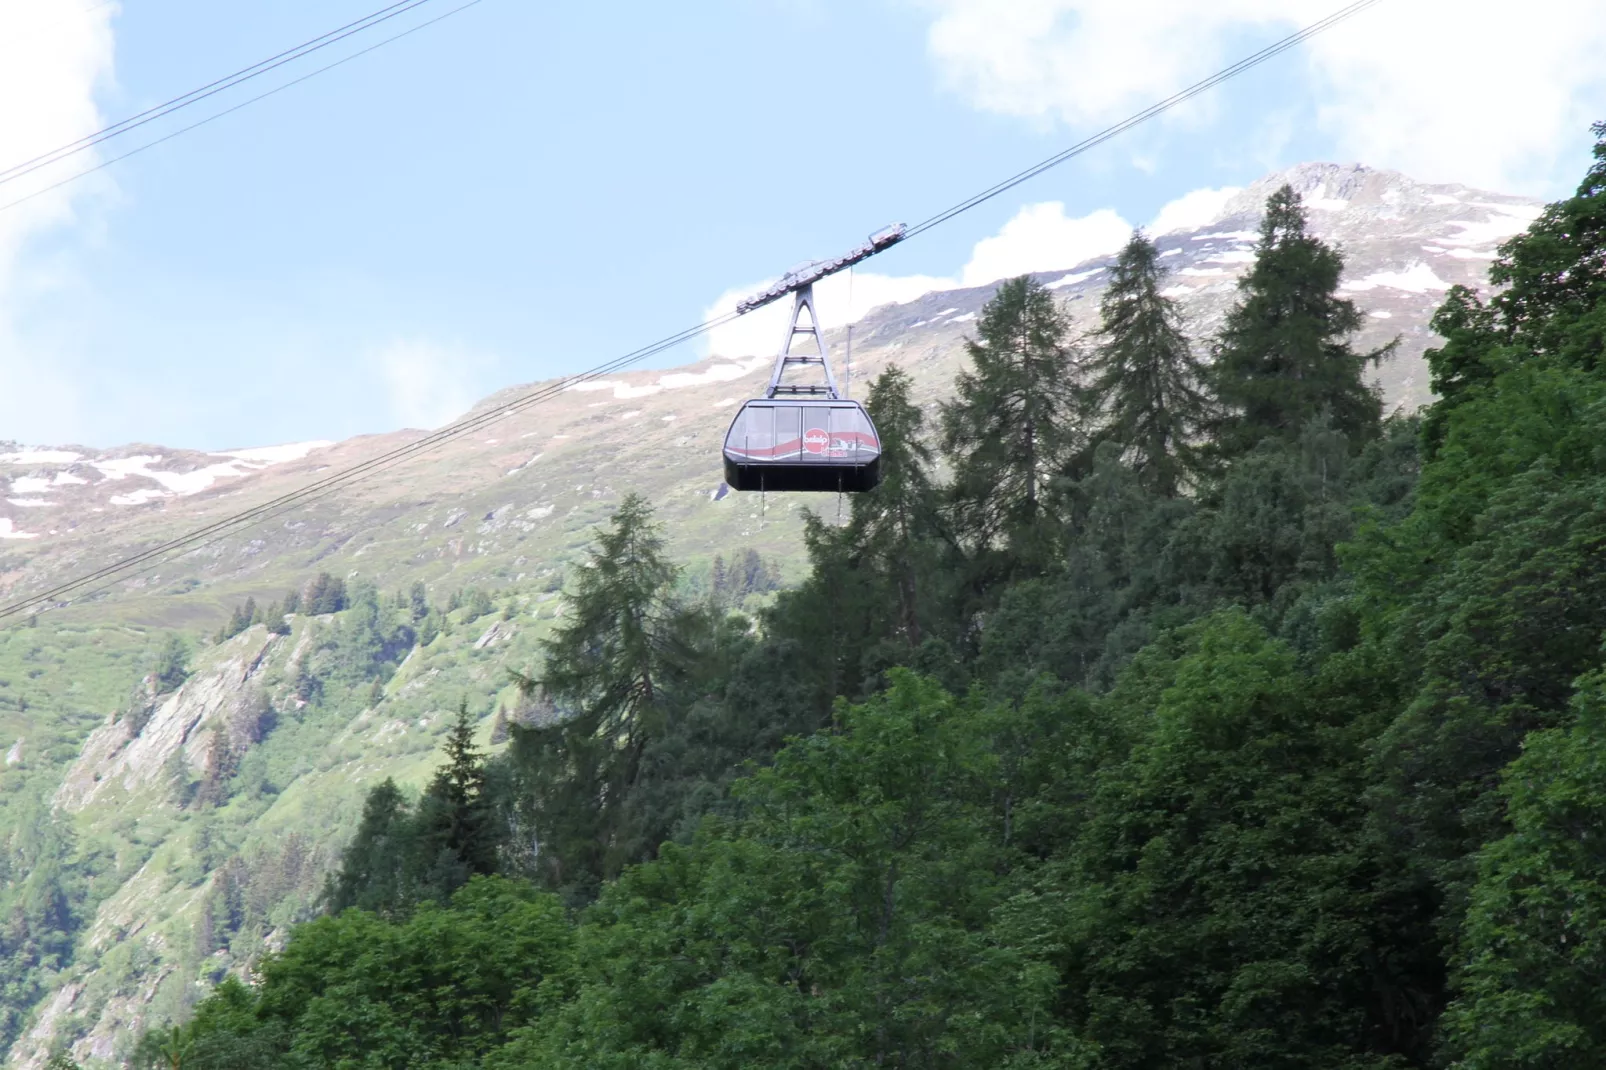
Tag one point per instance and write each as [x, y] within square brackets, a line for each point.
[805, 436]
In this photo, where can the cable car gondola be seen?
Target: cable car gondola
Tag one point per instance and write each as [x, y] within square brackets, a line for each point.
[805, 437]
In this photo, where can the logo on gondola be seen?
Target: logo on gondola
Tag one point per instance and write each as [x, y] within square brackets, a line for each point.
[815, 439]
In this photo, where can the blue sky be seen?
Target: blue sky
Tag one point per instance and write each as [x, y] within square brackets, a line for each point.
[524, 190]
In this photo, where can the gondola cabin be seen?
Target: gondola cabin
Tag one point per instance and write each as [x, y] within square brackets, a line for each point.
[805, 436]
[802, 444]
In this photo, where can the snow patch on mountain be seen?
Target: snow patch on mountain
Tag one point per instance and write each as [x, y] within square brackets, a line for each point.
[138, 497]
[1327, 204]
[36, 456]
[1418, 278]
[1072, 279]
[289, 451]
[1504, 220]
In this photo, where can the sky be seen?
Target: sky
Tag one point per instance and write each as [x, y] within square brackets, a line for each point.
[526, 190]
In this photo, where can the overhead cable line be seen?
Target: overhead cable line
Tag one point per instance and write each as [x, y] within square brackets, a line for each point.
[103, 578]
[236, 107]
[211, 89]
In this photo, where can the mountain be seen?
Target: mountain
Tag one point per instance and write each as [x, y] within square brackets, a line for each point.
[165, 880]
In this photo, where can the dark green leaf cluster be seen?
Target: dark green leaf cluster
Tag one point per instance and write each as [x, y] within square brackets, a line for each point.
[1283, 358]
[403, 855]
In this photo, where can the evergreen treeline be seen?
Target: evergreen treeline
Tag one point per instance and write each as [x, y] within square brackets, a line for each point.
[1202, 719]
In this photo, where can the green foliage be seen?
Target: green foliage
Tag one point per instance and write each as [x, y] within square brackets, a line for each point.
[435, 992]
[375, 867]
[852, 919]
[172, 663]
[324, 594]
[877, 593]
[1216, 909]
[1013, 426]
[240, 619]
[1533, 947]
[747, 574]
[1147, 386]
[402, 856]
[1282, 359]
[610, 666]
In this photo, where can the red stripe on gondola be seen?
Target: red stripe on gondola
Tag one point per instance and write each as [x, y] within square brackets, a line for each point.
[864, 443]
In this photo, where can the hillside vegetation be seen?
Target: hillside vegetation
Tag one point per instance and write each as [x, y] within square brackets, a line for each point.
[1201, 717]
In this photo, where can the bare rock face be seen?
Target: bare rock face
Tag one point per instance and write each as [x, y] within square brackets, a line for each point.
[133, 752]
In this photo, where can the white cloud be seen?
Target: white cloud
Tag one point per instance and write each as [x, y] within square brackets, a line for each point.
[1040, 237]
[428, 384]
[1193, 210]
[1483, 93]
[53, 55]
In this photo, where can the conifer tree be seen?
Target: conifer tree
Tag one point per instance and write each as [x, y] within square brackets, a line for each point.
[1014, 425]
[1147, 384]
[172, 664]
[896, 523]
[373, 867]
[325, 594]
[455, 830]
[1283, 357]
[719, 581]
[607, 663]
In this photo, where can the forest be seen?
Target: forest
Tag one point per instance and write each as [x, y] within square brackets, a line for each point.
[1167, 705]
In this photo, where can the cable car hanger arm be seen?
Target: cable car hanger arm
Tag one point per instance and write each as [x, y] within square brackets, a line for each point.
[809, 274]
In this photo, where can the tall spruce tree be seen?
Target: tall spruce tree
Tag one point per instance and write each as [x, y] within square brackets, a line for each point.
[376, 867]
[1147, 384]
[1283, 357]
[1013, 426]
[608, 664]
[875, 582]
[897, 522]
[455, 831]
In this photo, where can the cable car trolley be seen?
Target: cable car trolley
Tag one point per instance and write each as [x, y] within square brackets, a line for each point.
[805, 436]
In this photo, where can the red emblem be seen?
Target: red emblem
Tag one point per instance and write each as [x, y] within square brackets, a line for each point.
[815, 439]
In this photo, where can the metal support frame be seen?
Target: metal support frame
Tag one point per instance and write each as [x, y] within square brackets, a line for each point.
[804, 300]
